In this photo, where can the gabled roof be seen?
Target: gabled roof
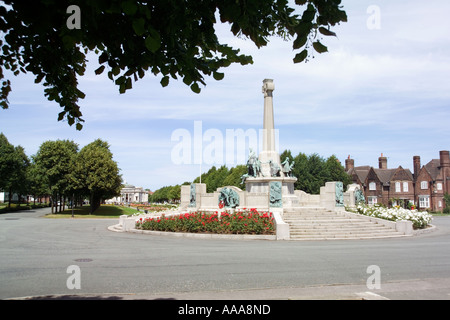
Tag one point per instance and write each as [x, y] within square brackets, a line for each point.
[402, 174]
[384, 175]
[361, 172]
[433, 168]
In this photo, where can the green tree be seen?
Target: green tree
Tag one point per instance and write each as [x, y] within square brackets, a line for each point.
[286, 154]
[215, 178]
[300, 171]
[174, 193]
[171, 39]
[161, 195]
[313, 171]
[13, 167]
[36, 181]
[234, 177]
[96, 173]
[55, 160]
[447, 203]
[336, 172]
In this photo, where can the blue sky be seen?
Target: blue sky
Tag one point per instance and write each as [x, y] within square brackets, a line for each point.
[383, 90]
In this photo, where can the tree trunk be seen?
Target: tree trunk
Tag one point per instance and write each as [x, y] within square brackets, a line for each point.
[94, 202]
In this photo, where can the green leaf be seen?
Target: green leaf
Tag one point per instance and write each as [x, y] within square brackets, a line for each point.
[120, 80]
[79, 126]
[299, 57]
[139, 26]
[39, 78]
[303, 29]
[128, 84]
[129, 7]
[122, 88]
[100, 70]
[61, 115]
[326, 32]
[320, 48]
[218, 75]
[115, 70]
[103, 57]
[187, 80]
[153, 43]
[299, 42]
[195, 88]
[141, 73]
[309, 13]
[165, 81]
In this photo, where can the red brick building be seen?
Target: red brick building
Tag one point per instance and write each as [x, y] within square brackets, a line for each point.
[382, 185]
[432, 182]
[425, 188]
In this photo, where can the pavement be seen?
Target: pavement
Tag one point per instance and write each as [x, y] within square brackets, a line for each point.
[420, 289]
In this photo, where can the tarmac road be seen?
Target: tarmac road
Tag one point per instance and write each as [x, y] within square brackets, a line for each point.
[36, 254]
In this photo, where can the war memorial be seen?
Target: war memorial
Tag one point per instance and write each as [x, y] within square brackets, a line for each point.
[269, 186]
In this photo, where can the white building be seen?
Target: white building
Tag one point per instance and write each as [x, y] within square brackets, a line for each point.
[130, 194]
[4, 197]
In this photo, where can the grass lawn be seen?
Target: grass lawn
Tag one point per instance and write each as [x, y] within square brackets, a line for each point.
[105, 211]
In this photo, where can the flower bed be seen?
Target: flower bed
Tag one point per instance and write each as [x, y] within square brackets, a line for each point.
[240, 222]
[420, 219]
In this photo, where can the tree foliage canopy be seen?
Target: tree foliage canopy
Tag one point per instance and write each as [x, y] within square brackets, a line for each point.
[169, 38]
[96, 173]
[313, 171]
[61, 170]
[13, 167]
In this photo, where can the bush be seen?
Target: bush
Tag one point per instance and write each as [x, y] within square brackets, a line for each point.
[420, 219]
[240, 222]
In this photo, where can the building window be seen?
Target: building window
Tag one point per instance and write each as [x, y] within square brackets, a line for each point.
[372, 186]
[424, 201]
[439, 186]
[424, 185]
[372, 200]
[405, 187]
[440, 204]
[397, 187]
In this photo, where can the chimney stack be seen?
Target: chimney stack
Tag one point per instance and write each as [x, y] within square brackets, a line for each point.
[445, 167]
[445, 159]
[382, 162]
[416, 166]
[349, 164]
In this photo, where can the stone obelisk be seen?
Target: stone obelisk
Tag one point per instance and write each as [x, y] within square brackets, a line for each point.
[268, 152]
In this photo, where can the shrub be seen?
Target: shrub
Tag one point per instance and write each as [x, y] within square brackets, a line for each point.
[420, 219]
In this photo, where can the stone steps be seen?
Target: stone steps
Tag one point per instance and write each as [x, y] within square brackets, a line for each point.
[316, 223]
[116, 228]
